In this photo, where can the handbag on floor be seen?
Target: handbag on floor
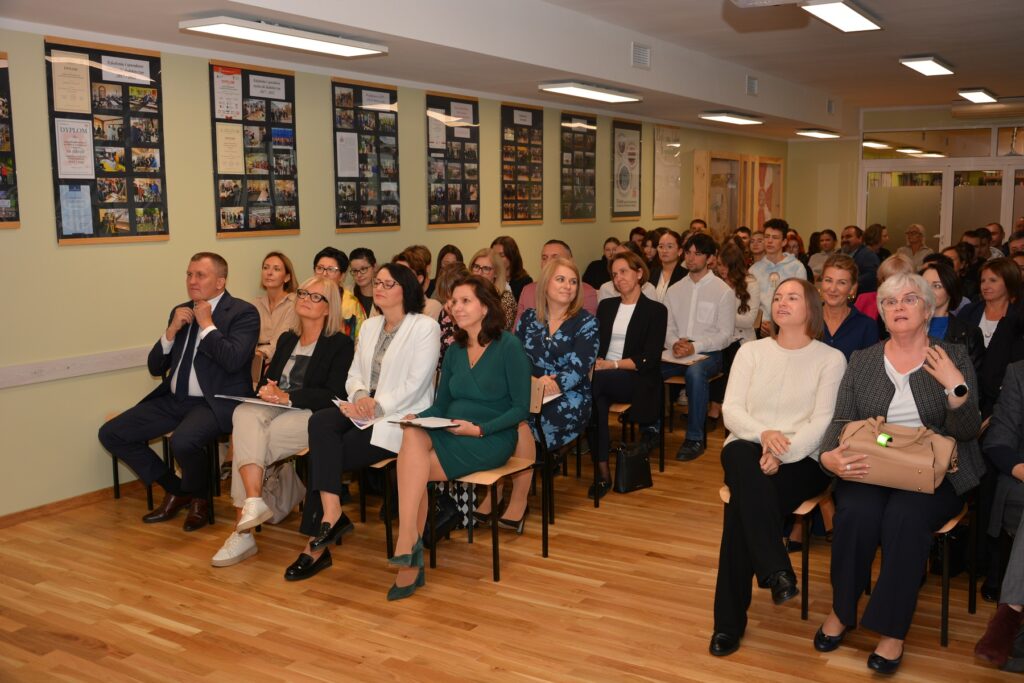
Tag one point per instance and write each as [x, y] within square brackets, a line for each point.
[282, 490]
[907, 458]
[632, 467]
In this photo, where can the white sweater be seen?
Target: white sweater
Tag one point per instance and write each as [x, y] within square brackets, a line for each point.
[792, 391]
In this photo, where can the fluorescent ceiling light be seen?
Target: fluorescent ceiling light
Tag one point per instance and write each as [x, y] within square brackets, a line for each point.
[977, 95]
[931, 155]
[875, 144]
[729, 117]
[840, 14]
[816, 133]
[282, 36]
[909, 150]
[928, 65]
[590, 92]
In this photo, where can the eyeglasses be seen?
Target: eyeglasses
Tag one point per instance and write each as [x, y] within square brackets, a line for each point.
[315, 297]
[908, 301]
[486, 270]
[386, 284]
[323, 270]
[360, 271]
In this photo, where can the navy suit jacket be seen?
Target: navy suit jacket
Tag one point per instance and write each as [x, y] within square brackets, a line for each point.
[223, 359]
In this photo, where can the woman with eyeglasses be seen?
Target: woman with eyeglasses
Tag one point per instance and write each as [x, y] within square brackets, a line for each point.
[331, 263]
[308, 369]
[362, 262]
[914, 382]
[490, 266]
[392, 375]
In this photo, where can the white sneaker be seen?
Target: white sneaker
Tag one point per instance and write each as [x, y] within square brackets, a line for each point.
[237, 548]
[681, 401]
[254, 513]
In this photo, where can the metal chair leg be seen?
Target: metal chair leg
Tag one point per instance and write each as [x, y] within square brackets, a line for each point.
[388, 537]
[944, 633]
[805, 525]
[211, 451]
[972, 569]
[149, 496]
[362, 496]
[495, 560]
[431, 500]
[117, 478]
[579, 457]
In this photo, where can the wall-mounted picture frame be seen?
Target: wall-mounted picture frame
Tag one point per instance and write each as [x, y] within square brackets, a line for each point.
[626, 165]
[453, 161]
[10, 213]
[667, 171]
[578, 168]
[522, 164]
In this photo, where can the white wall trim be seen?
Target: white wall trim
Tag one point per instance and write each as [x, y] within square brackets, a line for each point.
[75, 366]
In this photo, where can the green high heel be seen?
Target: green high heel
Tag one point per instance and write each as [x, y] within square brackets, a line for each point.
[415, 558]
[397, 592]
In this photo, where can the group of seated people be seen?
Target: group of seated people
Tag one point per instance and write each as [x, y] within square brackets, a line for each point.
[771, 340]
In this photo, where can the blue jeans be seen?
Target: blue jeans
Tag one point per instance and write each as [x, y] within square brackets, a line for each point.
[698, 390]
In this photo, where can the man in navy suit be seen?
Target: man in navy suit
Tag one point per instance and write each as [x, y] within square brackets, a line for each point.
[207, 349]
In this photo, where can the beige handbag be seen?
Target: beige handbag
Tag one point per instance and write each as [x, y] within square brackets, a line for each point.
[908, 458]
[282, 490]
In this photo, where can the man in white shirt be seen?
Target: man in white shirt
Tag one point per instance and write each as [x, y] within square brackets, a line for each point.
[528, 297]
[701, 319]
[776, 267]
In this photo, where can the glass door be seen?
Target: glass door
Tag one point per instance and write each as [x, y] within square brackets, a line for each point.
[898, 198]
[977, 200]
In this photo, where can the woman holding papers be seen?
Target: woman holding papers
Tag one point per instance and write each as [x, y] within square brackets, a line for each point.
[308, 368]
[485, 390]
[391, 375]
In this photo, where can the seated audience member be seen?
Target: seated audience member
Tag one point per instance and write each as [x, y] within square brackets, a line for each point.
[1015, 245]
[668, 268]
[628, 367]
[306, 372]
[778, 403]
[207, 349]
[756, 246]
[637, 235]
[1018, 258]
[986, 250]
[508, 251]
[608, 291]
[332, 263]
[277, 306]
[775, 267]
[361, 265]
[446, 279]
[867, 261]
[1004, 446]
[732, 270]
[560, 339]
[875, 238]
[998, 235]
[698, 225]
[962, 256]
[391, 375]
[946, 326]
[743, 233]
[916, 249]
[649, 249]
[413, 260]
[424, 253]
[845, 328]
[485, 389]
[487, 264]
[911, 382]
[794, 245]
[550, 250]
[701, 319]
[448, 255]
[597, 271]
[827, 242]
[867, 302]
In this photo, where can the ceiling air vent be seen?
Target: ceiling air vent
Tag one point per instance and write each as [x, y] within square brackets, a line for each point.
[640, 56]
[830, 106]
[752, 87]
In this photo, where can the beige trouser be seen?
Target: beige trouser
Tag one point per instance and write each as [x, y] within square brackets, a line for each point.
[262, 435]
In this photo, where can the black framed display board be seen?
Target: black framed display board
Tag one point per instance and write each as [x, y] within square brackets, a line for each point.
[107, 129]
[9, 212]
[626, 146]
[522, 164]
[453, 161]
[578, 164]
[365, 156]
[254, 161]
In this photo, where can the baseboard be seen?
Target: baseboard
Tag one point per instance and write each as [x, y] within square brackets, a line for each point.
[62, 506]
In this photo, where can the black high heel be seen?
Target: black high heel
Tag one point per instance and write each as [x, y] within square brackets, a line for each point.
[515, 524]
[332, 534]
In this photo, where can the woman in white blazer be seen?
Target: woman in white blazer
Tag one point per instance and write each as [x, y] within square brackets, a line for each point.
[391, 376]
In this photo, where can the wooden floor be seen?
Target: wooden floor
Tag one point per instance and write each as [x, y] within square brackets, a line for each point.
[626, 595]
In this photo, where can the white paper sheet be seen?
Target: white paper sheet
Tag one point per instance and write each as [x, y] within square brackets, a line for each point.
[427, 422]
[435, 128]
[668, 357]
[266, 86]
[230, 156]
[348, 155]
[359, 424]
[257, 401]
[124, 70]
[74, 148]
[227, 93]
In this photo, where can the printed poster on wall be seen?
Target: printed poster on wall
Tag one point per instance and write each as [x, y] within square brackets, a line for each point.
[9, 211]
[106, 141]
[578, 164]
[667, 167]
[453, 161]
[625, 169]
[522, 164]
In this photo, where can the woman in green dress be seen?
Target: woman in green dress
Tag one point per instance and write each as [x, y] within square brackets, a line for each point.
[484, 389]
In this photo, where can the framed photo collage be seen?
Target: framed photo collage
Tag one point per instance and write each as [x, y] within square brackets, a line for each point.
[453, 161]
[578, 167]
[9, 212]
[522, 164]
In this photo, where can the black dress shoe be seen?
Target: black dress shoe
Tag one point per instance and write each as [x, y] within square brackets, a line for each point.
[877, 662]
[306, 567]
[823, 643]
[989, 591]
[600, 488]
[722, 644]
[332, 534]
[516, 525]
[168, 509]
[198, 514]
[690, 450]
[783, 587]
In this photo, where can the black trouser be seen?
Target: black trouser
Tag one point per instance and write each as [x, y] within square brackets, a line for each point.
[718, 386]
[127, 437]
[335, 446]
[903, 523]
[752, 529]
[608, 387]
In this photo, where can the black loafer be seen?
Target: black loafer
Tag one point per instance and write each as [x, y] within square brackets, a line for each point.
[306, 567]
[723, 645]
[880, 664]
[602, 487]
[783, 587]
[823, 643]
[332, 534]
[989, 591]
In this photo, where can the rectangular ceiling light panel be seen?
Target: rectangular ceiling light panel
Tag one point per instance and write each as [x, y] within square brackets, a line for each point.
[841, 15]
[590, 92]
[281, 36]
[730, 117]
[928, 66]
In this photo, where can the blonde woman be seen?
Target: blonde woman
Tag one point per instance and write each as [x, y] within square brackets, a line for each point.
[489, 265]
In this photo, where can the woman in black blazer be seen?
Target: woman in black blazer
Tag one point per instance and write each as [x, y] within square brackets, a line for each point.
[308, 369]
[628, 367]
[667, 268]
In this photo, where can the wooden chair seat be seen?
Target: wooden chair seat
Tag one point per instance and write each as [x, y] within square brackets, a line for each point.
[489, 477]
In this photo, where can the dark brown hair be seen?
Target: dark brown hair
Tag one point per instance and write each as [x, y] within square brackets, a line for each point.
[1007, 270]
[732, 258]
[815, 312]
[515, 259]
[634, 262]
[493, 323]
[289, 284]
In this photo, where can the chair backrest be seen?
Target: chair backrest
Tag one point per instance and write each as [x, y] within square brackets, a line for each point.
[758, 319]
[536, 396]
[257, 369]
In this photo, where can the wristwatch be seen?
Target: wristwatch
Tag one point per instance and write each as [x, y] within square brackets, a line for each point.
[960, 390]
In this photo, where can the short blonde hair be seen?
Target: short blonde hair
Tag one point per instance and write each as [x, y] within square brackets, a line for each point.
[894, 265]
[496, 262]
[541, 306]
[332, 321]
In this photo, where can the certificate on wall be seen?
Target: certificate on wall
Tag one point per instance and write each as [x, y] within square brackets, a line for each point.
[76, 209]
[667, 167]
[625, 169]
[453, 161]
[69, 76]
[230, 159]
[227, 93]
[74, 149]
[9, 210]
[522, 164]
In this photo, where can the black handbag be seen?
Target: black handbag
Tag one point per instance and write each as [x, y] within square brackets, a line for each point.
[632, 467]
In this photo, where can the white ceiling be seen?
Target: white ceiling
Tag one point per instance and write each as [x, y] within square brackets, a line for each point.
[702, 49]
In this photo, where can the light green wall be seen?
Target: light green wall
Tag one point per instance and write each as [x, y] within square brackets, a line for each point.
[84, 299]
[821, 184]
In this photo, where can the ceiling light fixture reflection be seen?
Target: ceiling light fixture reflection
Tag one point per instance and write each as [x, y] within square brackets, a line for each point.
[909, 150]
[730, 117]
[842, 15]
[590, 92]
[927, 65]
[281, 36]
[875, 144]
[977, 95]
[817, 134]
[931, 155]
